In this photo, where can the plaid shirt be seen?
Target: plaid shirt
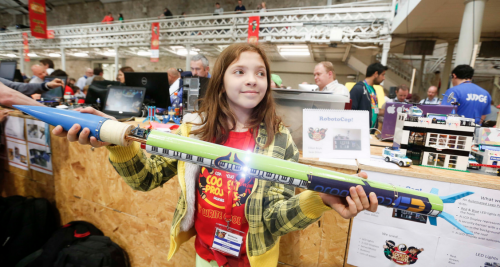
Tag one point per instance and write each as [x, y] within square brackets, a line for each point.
[272, 209]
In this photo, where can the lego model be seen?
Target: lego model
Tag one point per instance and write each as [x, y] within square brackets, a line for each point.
[259, 166]
[473, 163]
[415, 112]
[395, 155]
[437, 140]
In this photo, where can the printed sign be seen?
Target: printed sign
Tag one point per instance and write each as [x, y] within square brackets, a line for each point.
[38, 18]
[253, 29]
[26, 48]
[155, 41]
[335, 134]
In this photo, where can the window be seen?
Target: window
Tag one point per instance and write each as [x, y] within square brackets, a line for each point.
[440, 160]
[452, 164]
[447, 141]
[431, 160]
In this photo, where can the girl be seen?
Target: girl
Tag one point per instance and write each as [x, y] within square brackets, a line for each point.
[217, 206]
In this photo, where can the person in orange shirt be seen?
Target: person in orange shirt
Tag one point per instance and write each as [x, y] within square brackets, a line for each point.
[108, 19]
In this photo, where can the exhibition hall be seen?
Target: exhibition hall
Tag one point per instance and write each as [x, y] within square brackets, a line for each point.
[339, 133]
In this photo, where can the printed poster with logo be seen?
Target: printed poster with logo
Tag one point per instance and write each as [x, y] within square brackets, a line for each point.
[38, 18]
[16, 143]
[155, 41]
[479, 212]
[40, 156]
[336, 134]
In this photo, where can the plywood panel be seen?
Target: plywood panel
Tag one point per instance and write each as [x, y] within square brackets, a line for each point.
[13, 184]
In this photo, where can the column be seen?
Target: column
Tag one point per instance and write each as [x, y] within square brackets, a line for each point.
[63, 59]
[117, 58]
[422, 75]
[445, 74]
[471, 24]
[385, 53]
[21, 60]
[188, 58]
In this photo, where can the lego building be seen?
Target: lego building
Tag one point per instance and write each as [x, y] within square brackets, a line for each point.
[436, 140]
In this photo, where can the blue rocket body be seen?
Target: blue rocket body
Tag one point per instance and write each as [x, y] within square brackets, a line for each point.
[65, 118]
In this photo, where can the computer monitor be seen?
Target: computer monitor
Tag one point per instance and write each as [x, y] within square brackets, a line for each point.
[55, 93]
[124, 101]
[8, 69]
[98, 90]
[156, 84]
[18, 76]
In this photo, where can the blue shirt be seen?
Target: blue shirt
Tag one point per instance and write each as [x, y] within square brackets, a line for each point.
[473, 100]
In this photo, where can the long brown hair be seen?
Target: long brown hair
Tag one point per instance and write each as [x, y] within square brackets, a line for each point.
[215, 112]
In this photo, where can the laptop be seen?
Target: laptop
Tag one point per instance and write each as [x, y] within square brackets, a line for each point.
[391, 112]
[124, 101]
[55, 93]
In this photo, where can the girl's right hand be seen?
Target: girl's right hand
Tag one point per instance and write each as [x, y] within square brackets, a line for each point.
[83, 138]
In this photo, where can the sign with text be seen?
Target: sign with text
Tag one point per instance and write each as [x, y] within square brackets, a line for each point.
[336, 134]
[26, 48]
[155, 41]
[38, 18]
[253, 29]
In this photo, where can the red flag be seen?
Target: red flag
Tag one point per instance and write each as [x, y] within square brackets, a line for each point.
[50, 34]
[253, 29]
[26, 48]
[155, 41]
[38, 18]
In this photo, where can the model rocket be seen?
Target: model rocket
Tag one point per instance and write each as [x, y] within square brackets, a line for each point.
[250, 164]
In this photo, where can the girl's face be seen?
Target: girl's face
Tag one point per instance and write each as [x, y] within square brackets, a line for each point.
[121, 76]
[245, 81]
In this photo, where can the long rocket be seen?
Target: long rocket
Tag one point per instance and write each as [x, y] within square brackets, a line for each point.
[252, 164]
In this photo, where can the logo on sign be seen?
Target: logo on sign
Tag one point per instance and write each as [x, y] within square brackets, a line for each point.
[494, 158]
[475, 97]
[144, 80]
[401, 254]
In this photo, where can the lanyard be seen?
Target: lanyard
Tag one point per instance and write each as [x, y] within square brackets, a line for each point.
[230, 190]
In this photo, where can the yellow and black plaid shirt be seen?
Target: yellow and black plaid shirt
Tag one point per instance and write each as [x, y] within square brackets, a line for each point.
[272, 209]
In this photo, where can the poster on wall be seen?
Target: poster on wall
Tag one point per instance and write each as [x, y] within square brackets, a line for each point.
[38, 18]
[155, 41]
[16, 143]
[26, 48]
[335, 134]
[40, 156]
[253, 29]
[479, 212]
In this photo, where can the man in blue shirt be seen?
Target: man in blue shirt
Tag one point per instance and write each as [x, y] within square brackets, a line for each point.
[473, 101]
[240, 7]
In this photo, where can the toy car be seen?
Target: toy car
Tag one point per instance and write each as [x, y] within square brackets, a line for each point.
[415, 112]
[472, 160]
[396, 156]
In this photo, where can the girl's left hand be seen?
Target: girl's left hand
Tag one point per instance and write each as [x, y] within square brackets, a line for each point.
[357, 201]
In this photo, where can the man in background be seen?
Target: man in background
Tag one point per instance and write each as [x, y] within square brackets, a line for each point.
[401, 94]
[39, 74]
[71, 81]
[363, 94]
[218, 10]
[173, 80]
[473, 101]
[240, 7]
[166, 14]
[432, 98]
[493, 114]
[47, 64]
[97, 72]
[108, 18]
[81, 81]
[200, 66]
[325, 78]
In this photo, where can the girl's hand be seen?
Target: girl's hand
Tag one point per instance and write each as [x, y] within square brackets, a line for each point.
[357, 201]
[83, 138]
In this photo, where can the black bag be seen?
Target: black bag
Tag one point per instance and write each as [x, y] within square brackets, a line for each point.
[62, 238]
[25, 225]
[93, 251]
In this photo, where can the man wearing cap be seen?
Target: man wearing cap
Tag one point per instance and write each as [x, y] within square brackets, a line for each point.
[324, 76]
[275, 81]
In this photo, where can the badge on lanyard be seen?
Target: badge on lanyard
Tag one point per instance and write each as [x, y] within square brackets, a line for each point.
[228, 240]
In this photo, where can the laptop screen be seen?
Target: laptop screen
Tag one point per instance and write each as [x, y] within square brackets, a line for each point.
[124, 100]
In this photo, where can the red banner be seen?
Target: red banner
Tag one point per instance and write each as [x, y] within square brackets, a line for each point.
[50, 34]
[26, 48]
[253, 29]
[38, 18]
[155, 41]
